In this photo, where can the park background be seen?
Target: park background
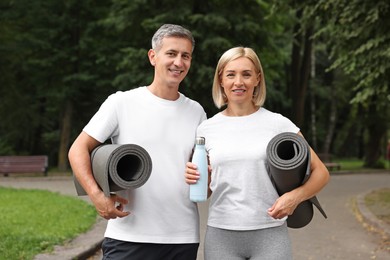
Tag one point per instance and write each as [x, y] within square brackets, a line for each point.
[326, 65]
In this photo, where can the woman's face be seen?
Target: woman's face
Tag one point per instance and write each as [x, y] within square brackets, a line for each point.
[239, 79]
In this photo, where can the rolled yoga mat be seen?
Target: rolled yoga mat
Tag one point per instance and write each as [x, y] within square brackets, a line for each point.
[288, 156]
[118, 167]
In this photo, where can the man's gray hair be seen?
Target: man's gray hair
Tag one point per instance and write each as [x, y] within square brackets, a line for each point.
[171, 30]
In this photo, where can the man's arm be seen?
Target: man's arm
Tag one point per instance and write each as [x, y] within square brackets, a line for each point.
[80, 161]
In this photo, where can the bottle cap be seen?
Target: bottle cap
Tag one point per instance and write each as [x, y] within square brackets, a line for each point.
[200, 140]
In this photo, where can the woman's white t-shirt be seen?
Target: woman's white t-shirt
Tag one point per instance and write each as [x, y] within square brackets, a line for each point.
[241, 188]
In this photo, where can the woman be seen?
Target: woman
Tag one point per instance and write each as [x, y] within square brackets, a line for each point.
[247, 218]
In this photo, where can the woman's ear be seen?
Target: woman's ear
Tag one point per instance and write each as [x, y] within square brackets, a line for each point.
[258, 79]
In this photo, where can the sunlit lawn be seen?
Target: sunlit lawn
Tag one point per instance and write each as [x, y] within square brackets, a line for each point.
[351, 164]
[378, 202]
[33, 221]
[356, 164]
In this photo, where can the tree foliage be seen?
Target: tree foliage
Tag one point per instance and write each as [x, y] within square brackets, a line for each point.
[59, 60]
[359, 44]
[62, 58]
[50, 60]
[215, 30]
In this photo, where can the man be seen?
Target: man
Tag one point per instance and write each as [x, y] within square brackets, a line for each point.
[157, 220]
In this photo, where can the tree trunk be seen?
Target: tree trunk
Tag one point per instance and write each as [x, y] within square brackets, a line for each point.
[373, 147]
[332, 122]
[313, 121]
[65, 137]
[376, 127]
[300, 69]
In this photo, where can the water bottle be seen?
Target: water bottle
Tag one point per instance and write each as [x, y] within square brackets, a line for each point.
[198, 191]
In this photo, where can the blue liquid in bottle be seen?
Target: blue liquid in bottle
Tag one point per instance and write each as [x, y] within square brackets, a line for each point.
[198, 191]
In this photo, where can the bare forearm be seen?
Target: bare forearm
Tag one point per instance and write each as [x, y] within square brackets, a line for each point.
[287, 203]
[82, 170]
[319, 177]
[80, 161]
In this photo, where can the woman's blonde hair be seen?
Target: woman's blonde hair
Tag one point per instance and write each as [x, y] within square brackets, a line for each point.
[259, 93]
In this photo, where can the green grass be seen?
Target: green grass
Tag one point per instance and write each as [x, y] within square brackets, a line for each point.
[378, 202]
[33, 221]
[351, 164]
[358, 165]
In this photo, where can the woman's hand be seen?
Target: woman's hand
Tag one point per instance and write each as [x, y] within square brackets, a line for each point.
[191, 175]
[284, 206]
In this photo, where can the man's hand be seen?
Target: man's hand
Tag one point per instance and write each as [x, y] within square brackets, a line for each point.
[109, 207]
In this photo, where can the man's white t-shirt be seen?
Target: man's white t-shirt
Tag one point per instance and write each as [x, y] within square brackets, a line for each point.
[161, 211]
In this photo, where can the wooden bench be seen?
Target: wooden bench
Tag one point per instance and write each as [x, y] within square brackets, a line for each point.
[332, 166]
[24, 164]
[327, 160]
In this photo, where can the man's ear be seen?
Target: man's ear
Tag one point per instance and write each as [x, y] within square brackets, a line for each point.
[152, 57]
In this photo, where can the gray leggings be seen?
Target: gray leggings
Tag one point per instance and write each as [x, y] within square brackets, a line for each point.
[262, 244]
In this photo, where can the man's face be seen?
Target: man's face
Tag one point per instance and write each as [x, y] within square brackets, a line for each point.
[172, 61]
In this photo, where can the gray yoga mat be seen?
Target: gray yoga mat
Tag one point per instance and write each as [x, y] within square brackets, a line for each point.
[288, 166]
[118, 167]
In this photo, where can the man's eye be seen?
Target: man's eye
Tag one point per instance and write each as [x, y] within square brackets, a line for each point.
[186, 57]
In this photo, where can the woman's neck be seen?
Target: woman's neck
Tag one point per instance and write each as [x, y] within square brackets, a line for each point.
[232, 110]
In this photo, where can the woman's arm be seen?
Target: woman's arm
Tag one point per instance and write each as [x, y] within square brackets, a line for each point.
[287, 203]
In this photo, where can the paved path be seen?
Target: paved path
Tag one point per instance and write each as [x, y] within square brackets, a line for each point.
[341, 236]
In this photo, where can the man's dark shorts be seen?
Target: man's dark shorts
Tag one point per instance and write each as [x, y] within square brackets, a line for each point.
[118, 250]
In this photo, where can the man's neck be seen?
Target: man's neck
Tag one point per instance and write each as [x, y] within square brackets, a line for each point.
[164, 92]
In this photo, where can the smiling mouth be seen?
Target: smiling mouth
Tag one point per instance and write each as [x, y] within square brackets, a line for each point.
[176, 71]
[238, 90]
